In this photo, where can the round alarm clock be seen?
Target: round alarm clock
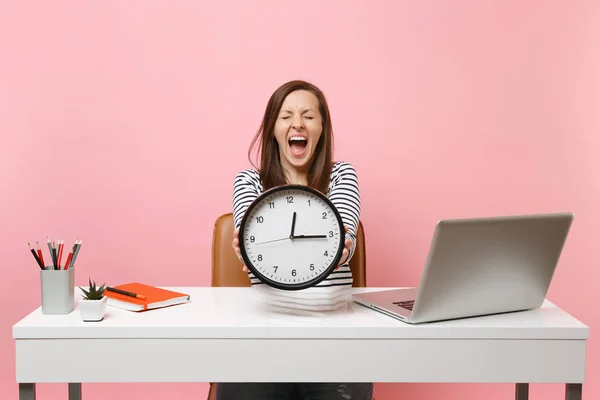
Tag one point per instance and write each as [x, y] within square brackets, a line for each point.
[291, 237]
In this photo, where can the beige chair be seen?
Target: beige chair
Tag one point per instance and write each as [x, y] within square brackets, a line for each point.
[227, 269]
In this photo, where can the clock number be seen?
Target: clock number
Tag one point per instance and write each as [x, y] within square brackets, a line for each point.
[330, 233]
[326, 253]
[312, 267]
[260, 219]
[324, 215]
[252, 239]
[275, 268]
[260, 257]
[290, 199]
[293, 272]
[271, 204]
[308, 202]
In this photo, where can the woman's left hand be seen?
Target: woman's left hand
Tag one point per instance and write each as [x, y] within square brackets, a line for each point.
[347, 246]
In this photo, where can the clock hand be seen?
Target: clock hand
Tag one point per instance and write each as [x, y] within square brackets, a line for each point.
[293, 225]
[309, 236]
[271, 241]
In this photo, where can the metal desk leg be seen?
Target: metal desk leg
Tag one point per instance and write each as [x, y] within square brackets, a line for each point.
[522, 391]
[573, 391]
[26, 391]
[74, 391]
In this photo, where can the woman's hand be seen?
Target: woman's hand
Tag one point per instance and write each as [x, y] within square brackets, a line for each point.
[346, 251]
[236, 247]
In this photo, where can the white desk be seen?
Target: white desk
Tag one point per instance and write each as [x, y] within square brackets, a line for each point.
[221, 337]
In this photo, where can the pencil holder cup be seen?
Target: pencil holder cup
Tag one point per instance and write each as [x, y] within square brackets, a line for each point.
[58, 288]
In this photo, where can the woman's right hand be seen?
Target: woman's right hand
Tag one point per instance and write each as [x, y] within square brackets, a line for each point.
[236, 247]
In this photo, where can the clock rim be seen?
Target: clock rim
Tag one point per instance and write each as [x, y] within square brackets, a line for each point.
[291, 286]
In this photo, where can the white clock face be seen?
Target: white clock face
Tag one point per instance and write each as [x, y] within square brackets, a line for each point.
[291, 237]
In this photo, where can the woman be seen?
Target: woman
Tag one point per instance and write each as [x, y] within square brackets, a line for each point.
[296, 139]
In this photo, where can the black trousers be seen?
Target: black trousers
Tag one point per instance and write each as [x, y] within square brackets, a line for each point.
[294, 391]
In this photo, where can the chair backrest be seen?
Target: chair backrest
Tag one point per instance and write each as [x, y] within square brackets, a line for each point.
[227, 269]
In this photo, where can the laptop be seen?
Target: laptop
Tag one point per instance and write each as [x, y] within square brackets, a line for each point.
[480, 266]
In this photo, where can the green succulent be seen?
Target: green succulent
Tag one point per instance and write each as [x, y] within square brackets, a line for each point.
[93, 293]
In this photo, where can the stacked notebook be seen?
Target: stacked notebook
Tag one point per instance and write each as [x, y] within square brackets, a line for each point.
[154, 297]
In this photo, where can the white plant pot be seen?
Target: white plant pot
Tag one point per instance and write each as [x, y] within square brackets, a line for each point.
[92, 310]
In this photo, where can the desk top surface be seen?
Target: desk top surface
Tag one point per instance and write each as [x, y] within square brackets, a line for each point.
[230, 313]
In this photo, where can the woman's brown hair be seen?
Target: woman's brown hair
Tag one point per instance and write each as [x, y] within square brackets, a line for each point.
[271, 171]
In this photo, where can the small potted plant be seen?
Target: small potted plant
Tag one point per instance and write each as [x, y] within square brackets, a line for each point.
[92, 306]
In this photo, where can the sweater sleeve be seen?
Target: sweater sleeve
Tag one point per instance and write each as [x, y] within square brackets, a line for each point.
[345, 196]
[246, 188]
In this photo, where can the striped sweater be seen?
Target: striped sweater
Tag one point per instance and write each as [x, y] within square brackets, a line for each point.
[333, 292]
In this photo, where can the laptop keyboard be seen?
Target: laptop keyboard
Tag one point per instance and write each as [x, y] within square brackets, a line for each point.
[408, 304]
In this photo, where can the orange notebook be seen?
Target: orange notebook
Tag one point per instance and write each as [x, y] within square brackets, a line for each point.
[155, 297]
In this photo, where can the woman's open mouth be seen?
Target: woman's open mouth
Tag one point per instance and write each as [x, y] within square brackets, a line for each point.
[297, 145]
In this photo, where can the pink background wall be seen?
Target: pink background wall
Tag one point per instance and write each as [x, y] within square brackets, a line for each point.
[125, 122]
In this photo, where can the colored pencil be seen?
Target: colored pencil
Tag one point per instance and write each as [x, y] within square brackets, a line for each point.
[61, 243]
[39, 250]
[68, 259]
[54, 255]
[126, 293]
[76, 251]
[50, 249]
[37, 259]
